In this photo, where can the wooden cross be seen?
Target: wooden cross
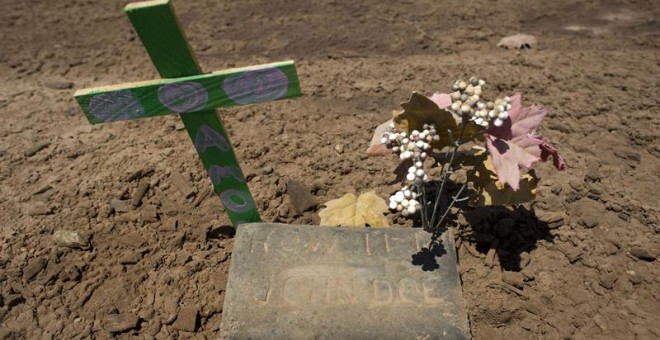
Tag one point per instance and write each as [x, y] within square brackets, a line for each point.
[194, 96]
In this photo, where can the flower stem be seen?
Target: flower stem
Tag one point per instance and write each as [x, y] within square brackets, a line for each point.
[451, 204]
[447, 170]
[422, 190]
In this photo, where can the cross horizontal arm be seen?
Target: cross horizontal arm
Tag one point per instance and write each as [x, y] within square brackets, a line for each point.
[240, 86]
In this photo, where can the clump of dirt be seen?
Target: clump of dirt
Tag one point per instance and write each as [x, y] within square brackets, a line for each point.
[98, 237]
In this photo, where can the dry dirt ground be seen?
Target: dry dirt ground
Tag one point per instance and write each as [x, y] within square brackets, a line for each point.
[581, 264]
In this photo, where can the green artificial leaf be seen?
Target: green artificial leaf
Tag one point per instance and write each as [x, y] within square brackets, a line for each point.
[490, 191]
[353, 211]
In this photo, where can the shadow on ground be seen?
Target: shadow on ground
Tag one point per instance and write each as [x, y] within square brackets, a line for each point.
[505, 232]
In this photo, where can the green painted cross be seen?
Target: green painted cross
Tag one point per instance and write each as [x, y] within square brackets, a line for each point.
[194, 96]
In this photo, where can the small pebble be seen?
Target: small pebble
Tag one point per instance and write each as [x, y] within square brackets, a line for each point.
[513, 278]
[182, 184]
[58, 84]
[642, 253]
[70, 239]
[607, 281]
[187, 319]
[629, 155]
[552, 219]
[573, 254]
[589, 221]
[300, 196]
[117, 323]
[34, 267]
[131, 258]
[267, 170]
[38, 208]
[119, 205]
[575, 184]
[36, 148]
[593, 173]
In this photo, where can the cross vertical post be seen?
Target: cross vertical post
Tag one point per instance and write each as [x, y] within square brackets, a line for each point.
[194, 96]
[160, 33]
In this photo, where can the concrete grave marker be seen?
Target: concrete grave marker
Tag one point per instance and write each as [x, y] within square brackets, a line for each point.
[310, 282]
[194, 96]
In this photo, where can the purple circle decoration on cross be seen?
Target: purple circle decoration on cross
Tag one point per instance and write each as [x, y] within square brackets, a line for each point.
[183, 97]
[256, 86]
[115, 106]
[237, 201]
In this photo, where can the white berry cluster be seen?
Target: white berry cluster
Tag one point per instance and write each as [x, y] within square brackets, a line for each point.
[415, 147]
[405, 201]
[466, 100]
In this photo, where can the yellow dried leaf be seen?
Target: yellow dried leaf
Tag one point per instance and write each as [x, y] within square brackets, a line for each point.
[352, 211]
[493, 192]
[420, 110]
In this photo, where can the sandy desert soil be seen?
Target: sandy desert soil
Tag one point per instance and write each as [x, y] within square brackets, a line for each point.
[581, 264]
